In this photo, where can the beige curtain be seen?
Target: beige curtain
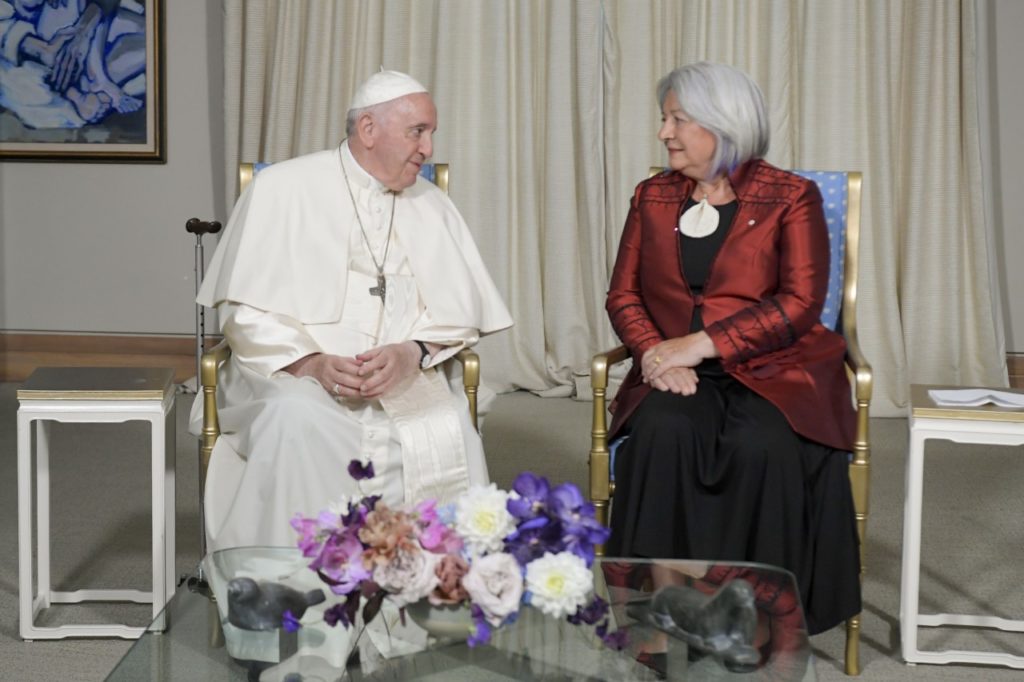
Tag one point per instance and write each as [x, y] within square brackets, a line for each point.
[548, 119]
[518, 91]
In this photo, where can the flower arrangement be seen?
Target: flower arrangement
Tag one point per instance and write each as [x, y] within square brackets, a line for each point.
[490, 549]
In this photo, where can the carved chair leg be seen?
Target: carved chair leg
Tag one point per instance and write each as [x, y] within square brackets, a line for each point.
[853, 646]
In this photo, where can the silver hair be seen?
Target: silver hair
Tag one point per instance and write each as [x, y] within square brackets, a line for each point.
[727, 103]
[350, 120]
[352, 117]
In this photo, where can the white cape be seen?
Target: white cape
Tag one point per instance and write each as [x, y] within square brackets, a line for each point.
[285, 214]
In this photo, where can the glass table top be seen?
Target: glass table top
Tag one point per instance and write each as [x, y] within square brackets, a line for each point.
[192, 638]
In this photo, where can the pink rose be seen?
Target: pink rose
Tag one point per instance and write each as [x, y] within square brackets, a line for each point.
[450, 571]
[495, 584]
[408, 575]
[434, 536]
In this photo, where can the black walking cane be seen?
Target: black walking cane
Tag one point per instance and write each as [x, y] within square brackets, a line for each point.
[199, 228]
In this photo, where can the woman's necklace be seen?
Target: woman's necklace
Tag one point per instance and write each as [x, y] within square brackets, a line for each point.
[700, 220]
[382, 283]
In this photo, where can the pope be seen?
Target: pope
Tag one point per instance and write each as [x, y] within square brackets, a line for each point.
[343, 282]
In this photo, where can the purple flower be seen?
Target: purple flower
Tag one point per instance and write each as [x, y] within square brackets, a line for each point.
[596, 613]
[527, 544]
[482, 634]
[335, 615]
[533, 494]
[309, 531]
[591, 613]
[355, 517]
[616, 640]
[289, 622]
[359, 472]
[340, 563]
[580, 530]
[344, 612]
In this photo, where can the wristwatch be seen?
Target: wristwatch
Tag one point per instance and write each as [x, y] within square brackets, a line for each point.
[424, 355]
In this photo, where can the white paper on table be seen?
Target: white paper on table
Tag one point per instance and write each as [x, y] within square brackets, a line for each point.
[973, 397]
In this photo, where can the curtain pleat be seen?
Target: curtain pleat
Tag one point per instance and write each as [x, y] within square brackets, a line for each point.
[548, 120]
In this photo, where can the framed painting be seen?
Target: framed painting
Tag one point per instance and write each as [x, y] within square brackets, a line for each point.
[82, 80]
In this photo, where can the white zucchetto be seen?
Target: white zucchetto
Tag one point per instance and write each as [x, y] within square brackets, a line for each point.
[385, 86]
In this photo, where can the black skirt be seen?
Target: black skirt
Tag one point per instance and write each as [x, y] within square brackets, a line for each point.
[722, 476]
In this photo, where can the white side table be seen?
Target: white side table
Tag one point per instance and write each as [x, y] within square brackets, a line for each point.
[92, 394]
[987, 425]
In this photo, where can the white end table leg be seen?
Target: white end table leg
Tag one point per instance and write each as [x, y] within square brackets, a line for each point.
[158, 464]
[911, 574]
[43, 586]
[170, 460]
[25, 593]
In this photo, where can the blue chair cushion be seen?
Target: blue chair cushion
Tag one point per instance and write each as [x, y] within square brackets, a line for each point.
[429, 172]
[833, 193]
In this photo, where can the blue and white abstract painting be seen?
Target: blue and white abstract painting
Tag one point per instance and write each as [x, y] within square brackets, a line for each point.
[76, 76]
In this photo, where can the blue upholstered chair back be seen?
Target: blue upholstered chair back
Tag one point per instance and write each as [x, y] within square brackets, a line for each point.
[833, 186]
[429, 171]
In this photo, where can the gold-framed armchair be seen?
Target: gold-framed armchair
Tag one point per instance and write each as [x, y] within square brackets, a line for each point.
[215, 357]
[840, 313]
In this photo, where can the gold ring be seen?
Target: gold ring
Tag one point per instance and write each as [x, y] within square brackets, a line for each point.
[657, 359]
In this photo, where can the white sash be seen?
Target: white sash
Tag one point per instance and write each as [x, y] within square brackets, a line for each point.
[434, 462]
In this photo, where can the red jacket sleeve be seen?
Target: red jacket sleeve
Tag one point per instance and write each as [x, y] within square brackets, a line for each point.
[795, 307]
[629, 316]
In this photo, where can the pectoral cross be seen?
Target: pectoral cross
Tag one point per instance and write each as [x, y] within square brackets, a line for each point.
[381, 287]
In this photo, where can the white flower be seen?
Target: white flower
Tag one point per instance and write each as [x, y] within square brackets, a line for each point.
[558, 583]
[481, 519]
[495, 584]
[409, 576]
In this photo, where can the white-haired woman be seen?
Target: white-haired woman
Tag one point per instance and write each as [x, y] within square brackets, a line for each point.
[737, 406]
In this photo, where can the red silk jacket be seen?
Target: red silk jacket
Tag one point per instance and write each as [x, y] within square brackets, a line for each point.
[761, 303]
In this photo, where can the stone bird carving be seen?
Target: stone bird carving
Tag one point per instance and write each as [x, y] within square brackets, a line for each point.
[261, 606]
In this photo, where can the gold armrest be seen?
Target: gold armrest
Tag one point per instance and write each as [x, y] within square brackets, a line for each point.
[601, 486]
[860, 467]
[859, 367]
[861, 376]
[470, 379]
[860, 473]
[208, 366]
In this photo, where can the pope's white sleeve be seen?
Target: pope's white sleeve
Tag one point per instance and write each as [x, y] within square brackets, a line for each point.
[263, 341]
[453, 339]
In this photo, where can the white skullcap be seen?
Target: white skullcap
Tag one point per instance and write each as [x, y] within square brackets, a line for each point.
[385, 86]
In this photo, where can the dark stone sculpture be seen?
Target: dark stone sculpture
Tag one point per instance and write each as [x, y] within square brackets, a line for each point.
[261, 606]
[722, 624]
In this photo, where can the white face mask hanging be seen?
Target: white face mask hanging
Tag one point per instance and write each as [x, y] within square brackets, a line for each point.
[700, 220]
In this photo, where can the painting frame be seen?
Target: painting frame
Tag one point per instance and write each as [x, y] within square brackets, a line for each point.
[117, 133]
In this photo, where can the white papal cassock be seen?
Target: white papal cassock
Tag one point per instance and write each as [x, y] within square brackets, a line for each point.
[290, 277]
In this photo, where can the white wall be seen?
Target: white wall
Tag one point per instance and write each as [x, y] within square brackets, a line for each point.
[103, 247]
[1006, 104]
[75, 261]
